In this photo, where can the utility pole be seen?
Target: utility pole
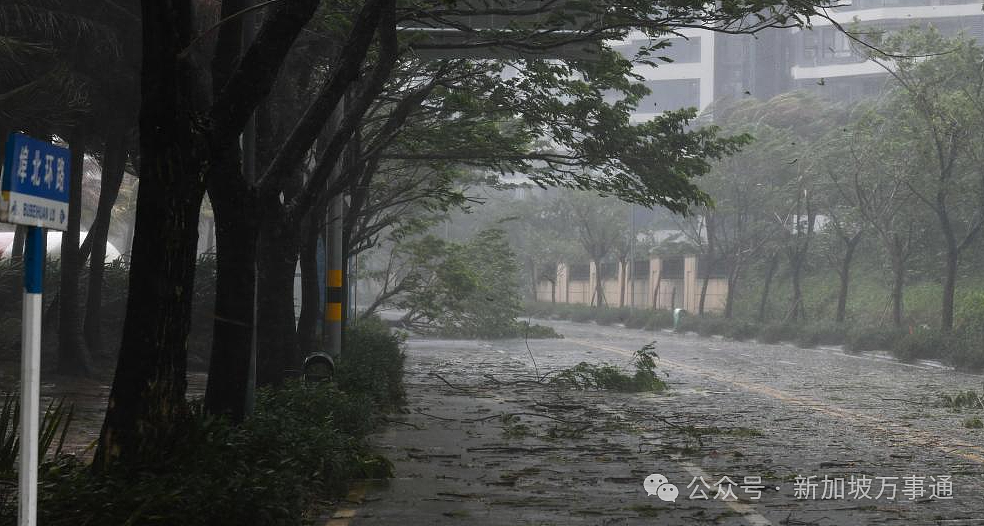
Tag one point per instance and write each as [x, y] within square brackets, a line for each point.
[631, 266]
[335, 278]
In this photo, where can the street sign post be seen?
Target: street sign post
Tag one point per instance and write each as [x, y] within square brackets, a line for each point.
[33, 192]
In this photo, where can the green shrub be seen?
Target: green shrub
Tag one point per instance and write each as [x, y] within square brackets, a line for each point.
[612, 315]
[777, 332]
[638, 318]
[562, 311]
[965, 349]
[739, 330]
[924, 343]
[872, 338]
[822, 333]
[711, 326]
[302, 443]
[469, 289]
[538, 309]
[970, 311]
[373, 363]
[582, 313]
[536, 332]
[659, 319]
[51, 438]
[687, 324]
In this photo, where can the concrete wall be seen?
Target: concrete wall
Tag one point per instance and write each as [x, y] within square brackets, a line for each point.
[674, 292]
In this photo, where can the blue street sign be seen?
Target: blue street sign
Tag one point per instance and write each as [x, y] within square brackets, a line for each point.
[34, 189]
[33, 192]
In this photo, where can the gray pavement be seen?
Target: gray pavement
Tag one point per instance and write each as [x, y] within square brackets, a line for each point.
[483, 443]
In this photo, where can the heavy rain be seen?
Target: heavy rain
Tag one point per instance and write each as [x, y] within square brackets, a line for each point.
[491, 262]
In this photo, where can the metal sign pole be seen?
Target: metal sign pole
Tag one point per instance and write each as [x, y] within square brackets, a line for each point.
[33, 192]
[31, 376]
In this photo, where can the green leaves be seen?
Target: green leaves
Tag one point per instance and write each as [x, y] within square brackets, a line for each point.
[463, 289]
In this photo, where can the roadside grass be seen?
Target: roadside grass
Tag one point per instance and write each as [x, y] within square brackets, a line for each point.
[301, 446]
[963, 348]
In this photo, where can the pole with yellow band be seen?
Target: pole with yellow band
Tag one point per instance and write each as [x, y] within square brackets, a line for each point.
[335, 281]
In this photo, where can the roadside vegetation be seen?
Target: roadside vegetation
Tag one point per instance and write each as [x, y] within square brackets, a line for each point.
[448, 289]
[586, 376]
[962, 348]
[301, 447]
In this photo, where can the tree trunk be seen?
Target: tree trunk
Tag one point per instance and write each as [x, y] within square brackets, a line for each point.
[845, 277]
[708, 265]
[659, 281]
[729, 299]
[796, 305]
[533, 279]
[898, 280]
[949, 267]
[72, 356]
[766, 288]
[345, 300]
[277, 356]
[623, 286]
[599, 287]
[307, 322]
[109, 188]
[146, 404]
[147, 400]
[703, 292]
[235, 289]
[949, 286]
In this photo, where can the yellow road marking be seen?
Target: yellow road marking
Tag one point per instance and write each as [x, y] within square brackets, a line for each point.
[922, 438]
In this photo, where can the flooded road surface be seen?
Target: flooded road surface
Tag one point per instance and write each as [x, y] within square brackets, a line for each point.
[747, 433]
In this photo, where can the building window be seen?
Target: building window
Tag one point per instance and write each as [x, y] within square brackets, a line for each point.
[836, 45]
[810, 47]
[681, 50]
[678, 50]
[669, 95]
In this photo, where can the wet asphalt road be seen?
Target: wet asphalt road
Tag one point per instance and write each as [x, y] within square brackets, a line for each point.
[484, 444]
